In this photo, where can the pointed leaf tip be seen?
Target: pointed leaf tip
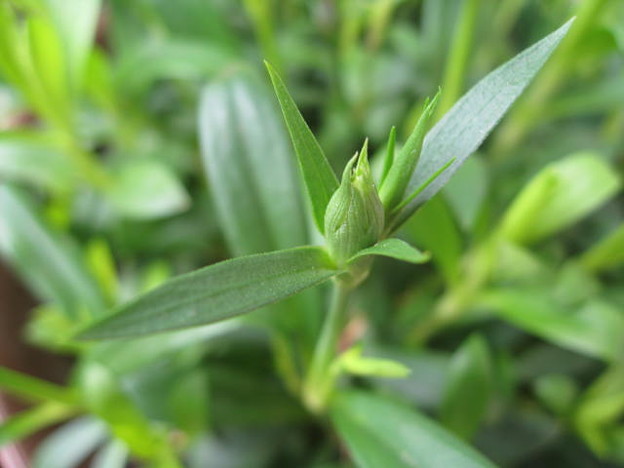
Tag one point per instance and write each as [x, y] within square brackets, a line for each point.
[462, 129]
[217, 292]
[317, 173]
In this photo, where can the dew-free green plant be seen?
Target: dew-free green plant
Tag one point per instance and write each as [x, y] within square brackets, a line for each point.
[356, 222]
[406, 305]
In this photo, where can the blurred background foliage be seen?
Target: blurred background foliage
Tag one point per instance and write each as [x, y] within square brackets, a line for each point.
[514, 333]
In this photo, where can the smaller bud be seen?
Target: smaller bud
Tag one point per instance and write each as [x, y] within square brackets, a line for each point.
[354, 219]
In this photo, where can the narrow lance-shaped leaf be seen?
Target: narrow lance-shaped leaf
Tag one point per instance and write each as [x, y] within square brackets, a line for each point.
[468, 388]
[393, 187]
[69, 445]
[462, 130]
[389, 156]
[49, 261]
[249, 163]
[319, 177]
[394, 248]
[32, 420]
[596, 329]
[76, 22]
[218, 292]
[380, 432]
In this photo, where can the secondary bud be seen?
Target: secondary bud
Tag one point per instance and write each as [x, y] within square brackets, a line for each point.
[354, 218]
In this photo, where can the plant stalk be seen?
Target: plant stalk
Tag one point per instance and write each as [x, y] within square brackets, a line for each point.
[319, 382]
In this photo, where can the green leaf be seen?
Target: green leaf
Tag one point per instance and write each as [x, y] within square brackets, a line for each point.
[247, 157]
[127, 356]
[49, 64]
[393, 187]
[434, 228]
[352, 362]
[388, 156]
[319, 177]
[103, 396]
[147, 62]
[462, 130]
[606, 254]
[557, 392]
[76, 23]
[561, 194]
[69, 445]
[147, 189]
[383, 433]
[467, 191]
[25, 159]
[47, 260]
[601, 409]
[32, 388]
[32, 420]
[112, 455]
[394, 248]
[468, 388]
[218, 292]
[597, 329]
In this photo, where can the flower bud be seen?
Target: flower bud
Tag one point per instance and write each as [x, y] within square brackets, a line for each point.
[354, 218]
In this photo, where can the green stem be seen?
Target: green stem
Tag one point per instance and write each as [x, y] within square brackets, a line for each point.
[453, 82]
[319, 381]
[528, 110]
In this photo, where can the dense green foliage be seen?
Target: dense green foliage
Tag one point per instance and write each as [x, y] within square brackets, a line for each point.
[236, 288]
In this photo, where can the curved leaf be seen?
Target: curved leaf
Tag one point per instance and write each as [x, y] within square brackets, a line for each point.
[218, 292]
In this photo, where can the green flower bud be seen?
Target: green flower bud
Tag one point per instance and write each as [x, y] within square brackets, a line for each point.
[354, 219]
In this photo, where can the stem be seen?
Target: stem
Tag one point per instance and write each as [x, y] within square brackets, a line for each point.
[529, 109]
[319, 381]
[453, 82]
